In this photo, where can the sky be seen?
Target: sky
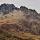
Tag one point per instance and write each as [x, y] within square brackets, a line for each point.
[32, 4]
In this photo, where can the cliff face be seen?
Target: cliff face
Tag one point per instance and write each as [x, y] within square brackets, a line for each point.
[20, 21]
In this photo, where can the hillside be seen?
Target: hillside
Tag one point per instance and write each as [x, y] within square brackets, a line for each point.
[19, 23]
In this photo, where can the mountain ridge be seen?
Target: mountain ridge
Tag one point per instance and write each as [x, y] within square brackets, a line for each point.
[22, 22]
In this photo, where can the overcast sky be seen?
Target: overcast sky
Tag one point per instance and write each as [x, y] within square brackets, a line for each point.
[33, 4]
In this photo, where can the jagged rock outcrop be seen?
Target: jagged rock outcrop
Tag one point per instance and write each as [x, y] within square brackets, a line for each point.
[30, 12]
[5, 7]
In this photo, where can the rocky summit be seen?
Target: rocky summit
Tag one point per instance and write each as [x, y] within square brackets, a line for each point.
[19, 23]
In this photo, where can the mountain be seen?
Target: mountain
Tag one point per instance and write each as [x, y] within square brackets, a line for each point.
[19, 23]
